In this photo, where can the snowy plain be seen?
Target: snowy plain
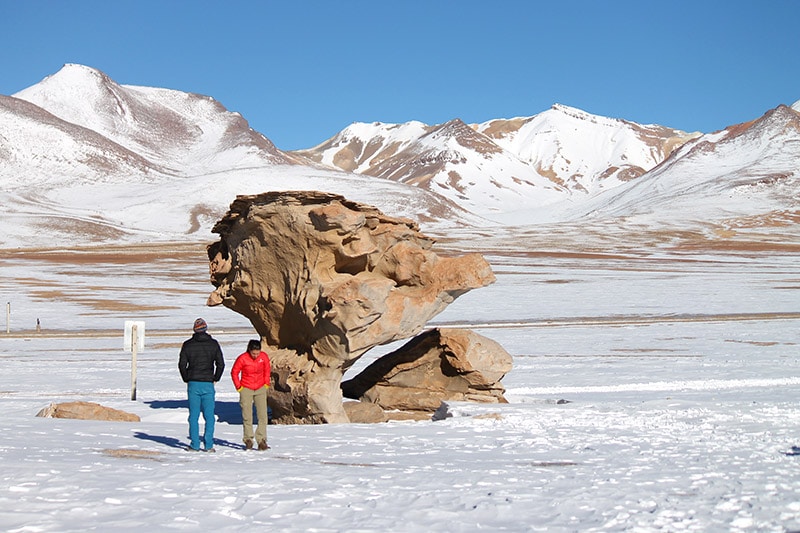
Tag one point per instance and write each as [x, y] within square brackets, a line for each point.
[652, 392]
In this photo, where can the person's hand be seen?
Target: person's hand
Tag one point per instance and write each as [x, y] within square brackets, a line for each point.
[239, 389]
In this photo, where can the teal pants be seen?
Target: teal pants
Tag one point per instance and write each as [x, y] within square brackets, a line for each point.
[201, 400]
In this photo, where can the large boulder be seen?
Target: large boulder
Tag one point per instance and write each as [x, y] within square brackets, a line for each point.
[439, 365]
[323, 280]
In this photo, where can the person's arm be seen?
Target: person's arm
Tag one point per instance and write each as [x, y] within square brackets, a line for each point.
[183, 364]
[236, 373]
[267, 370]
[219, 363]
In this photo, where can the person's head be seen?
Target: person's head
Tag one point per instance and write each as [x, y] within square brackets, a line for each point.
[200, 325]
[254, 348]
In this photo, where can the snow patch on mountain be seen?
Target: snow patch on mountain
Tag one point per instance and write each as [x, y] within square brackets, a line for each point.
[352, 154]
[585, 152]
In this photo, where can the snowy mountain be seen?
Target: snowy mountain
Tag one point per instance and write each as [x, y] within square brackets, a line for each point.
[86, 160]
[527, 162]
[585, 152]
[451, 159]
[746, 175]
[181, 132]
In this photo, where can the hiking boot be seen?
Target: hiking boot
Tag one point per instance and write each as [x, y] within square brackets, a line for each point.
[263, 445]
[210, 450]
[190, 449]
[248, 444]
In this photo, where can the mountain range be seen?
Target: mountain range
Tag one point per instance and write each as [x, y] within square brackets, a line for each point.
[85, 160]
[530, 162]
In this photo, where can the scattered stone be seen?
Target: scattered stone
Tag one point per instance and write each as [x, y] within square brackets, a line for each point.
[86, 411]
[459, 409]
[364, 412]
[134, 454]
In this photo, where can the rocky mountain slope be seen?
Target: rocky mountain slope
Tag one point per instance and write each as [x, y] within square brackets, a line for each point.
[180, 132]
[744, 175]
[87, 160]
[560, 154]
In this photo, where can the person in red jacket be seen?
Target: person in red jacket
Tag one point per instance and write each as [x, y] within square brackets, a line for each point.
[251, 377]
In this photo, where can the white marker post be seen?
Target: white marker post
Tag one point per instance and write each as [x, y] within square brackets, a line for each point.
[133, 341]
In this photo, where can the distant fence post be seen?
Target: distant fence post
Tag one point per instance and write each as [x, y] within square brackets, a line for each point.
[134, 334]
[133, 341]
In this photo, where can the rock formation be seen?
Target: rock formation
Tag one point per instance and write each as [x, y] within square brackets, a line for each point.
[86, 411]
[323, 280]
[439, 365]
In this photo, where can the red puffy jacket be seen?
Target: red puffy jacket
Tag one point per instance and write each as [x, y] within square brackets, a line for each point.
[249, 372]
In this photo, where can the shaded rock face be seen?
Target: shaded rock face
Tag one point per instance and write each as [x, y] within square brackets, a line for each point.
[323, 280]
[439, 365]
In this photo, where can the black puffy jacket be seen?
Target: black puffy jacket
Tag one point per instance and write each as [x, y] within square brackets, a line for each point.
[201, 359]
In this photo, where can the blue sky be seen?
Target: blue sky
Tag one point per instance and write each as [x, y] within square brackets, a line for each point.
[301, 71]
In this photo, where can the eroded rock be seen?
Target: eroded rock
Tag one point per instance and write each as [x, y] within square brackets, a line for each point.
[364, 413]
[439, 365]
[86, 411]
[323, 280]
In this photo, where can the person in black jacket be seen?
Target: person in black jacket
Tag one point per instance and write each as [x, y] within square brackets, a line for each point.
[201, 365]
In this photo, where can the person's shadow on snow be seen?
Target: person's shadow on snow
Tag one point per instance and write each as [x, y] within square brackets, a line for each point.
[175, 443]
[227, 412]
[167, 441]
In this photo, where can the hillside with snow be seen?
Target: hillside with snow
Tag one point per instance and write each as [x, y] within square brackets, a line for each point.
[738, 184]
[182, 132]
[85, 160]
[561, 155]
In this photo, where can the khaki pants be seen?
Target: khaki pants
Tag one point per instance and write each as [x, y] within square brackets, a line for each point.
[246, 399]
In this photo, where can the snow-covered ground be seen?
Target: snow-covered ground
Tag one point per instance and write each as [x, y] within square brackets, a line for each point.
[648, 394]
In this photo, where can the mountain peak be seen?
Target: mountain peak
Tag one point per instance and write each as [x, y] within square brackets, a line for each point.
[571, 111]
[79, 94]
[456, 130]
[74, 70]
[71, 78]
